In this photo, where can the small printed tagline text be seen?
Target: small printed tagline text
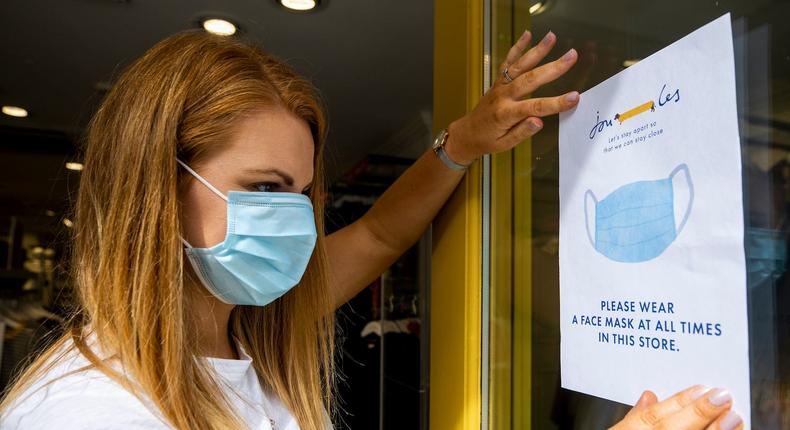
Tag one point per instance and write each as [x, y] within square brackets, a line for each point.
[635, 136]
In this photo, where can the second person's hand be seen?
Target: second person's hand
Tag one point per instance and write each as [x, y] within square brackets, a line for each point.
[505, 115]
[696, 408]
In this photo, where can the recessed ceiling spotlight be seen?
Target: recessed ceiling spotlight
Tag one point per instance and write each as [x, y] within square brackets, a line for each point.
[299, 5]
[219, 26]
[68, 223]
[630, 62]
[538, 7]
[73, 165]
[15, 111]
[50, 212]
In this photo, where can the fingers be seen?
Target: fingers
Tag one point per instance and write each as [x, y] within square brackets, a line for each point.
[532, 109]
[516, 51]
[530, 81]
[532, 57]
[728, 421]
[647, 399]
[545, 106]
[652, 415]
[526, 79]
[699, 414]
[521, 131]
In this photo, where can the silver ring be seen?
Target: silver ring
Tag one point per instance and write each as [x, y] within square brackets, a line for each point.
[508, 79]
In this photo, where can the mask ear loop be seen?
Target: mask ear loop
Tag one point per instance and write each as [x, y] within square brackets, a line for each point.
[204, 182]
[586, 216]
[685, 169]
[186, 244]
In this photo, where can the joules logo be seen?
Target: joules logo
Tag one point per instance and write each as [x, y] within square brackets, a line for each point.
[665, 96]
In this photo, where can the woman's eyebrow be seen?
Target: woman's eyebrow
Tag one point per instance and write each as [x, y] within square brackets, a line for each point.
[287, 179]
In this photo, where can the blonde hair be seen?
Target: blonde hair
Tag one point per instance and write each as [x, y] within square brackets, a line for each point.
[182, 98]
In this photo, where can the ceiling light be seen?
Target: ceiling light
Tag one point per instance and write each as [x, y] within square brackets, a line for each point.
[300, 5]
[219, 26]
[538, 7]
[15, 111]
[68, 223]
[73, 165]
[50, 212]
[630, 62]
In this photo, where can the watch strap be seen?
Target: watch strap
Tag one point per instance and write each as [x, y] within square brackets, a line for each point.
[438, 148]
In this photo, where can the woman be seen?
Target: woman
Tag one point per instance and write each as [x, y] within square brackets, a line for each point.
[200, 206]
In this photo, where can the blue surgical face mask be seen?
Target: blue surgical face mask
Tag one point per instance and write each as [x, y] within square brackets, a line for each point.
[636, 222]
[268, 243]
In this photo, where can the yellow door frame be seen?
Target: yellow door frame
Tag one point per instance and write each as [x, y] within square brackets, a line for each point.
[455, 317]
[457, 296]
[511, 271]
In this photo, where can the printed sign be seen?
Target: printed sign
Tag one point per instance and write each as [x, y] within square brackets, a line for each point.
[652, 269]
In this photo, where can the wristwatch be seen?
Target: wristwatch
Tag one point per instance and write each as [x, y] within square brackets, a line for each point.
[438, 149]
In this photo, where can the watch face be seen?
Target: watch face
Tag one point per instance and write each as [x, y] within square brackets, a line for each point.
[438, 141]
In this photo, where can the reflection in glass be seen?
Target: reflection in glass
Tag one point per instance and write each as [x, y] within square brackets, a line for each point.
[614, 35]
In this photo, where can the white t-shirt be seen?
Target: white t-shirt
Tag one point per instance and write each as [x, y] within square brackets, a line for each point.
[90, 400]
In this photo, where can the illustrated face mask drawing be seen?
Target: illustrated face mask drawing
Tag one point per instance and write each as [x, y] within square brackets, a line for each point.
[268, 243]
[637, 222]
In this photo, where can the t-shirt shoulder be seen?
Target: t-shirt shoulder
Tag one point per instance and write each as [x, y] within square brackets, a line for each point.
[68, 397]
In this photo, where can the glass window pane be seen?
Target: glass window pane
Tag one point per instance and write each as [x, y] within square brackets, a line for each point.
[610, 36]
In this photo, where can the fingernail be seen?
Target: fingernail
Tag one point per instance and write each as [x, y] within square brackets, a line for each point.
[699, 392]
[533, 125]
[547, 38]
[719, 397]
[572, 97]
[570, 55]
[525, 35]
[730, 421]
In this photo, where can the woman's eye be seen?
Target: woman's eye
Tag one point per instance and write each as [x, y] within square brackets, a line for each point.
[265, 187]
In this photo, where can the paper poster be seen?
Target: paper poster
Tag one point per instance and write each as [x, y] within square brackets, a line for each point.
[652, 269]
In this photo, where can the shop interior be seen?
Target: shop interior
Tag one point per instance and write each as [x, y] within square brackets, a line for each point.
[375, 76]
